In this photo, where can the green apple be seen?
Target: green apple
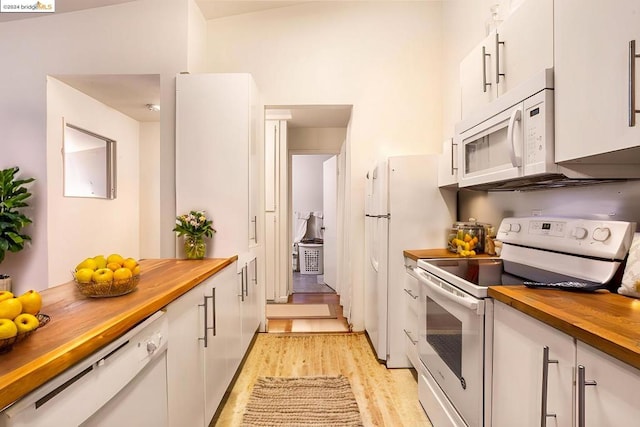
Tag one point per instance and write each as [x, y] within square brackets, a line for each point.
[102, 275]
[5, 295]
[87, 263]
[31, 302]
[26, 322]
[84, 275]
[101, 261]
[8, 329]
[10, 308]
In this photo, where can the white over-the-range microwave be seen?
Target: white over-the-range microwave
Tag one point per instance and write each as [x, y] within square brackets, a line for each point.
[510, 138]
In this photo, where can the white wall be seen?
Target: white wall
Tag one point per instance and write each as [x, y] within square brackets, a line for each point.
[382, 57]
[324, 140]
[150, 190]
[144, 36]
[85, 227]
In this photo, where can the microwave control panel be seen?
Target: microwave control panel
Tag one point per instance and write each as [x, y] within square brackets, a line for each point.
[537, 124]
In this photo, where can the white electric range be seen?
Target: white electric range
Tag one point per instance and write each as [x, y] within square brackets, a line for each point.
[456, 333]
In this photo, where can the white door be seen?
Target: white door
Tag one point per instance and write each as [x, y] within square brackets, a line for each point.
[329, 196]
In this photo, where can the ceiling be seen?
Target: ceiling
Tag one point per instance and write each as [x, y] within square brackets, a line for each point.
[130, 94]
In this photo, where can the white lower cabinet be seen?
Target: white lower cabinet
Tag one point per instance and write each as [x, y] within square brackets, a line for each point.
[613, 400]
[205, 348]
[249, 297]
[536, 378]
[519, 343]
[412, 319]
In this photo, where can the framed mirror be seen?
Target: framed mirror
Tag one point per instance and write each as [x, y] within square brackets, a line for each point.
[89, 163]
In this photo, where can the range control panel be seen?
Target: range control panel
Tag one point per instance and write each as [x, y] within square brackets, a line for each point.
[602, 239]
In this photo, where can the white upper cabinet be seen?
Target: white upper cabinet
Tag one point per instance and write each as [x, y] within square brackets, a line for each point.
[593, 81]
[448, 164]
[521, 47]
[219, 132]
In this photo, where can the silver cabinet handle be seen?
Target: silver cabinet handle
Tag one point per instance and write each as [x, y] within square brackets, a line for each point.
[408, 334]
[246, 280]
[498, 73]
[545, 386]
[454, 169]
[204, 304]
[484, 69]
[213, 305]
[582, 383]
[255, 271]
[255, 229]
[632, 83]
[410, 293]
[242, 284]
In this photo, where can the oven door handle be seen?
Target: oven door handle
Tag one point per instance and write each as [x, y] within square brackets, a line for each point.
[459, 297]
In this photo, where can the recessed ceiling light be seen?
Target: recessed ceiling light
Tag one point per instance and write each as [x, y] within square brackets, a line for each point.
[153, 107]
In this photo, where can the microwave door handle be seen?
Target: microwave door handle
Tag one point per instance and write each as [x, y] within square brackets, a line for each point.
[516, 116]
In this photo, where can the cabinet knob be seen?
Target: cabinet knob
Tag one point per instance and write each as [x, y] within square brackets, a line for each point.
[151, 347]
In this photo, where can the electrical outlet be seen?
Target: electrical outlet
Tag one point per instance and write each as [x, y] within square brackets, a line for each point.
[536, 212]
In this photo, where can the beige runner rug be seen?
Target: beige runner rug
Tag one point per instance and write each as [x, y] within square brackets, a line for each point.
[300, 311]
[302, 401]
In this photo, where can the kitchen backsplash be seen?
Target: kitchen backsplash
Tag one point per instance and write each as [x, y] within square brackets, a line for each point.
[613, 201]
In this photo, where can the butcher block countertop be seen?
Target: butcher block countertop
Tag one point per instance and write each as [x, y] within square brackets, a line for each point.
[606, 321]
[79, 325]
[416, 254]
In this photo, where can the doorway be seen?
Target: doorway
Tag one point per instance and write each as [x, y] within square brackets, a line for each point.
[301, 264]
[309, 255]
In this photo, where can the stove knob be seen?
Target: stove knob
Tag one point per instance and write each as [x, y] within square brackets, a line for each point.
[514, 227]
[601, 234]
[580, 233]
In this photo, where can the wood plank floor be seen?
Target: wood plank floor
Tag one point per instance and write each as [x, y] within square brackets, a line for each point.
[386, 397]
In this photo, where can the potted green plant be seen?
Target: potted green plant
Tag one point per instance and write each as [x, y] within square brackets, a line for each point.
[13, 196]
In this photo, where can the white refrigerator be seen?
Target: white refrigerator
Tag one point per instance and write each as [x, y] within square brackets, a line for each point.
[404, 209]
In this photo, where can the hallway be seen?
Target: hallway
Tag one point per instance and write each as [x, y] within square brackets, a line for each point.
[307, 290]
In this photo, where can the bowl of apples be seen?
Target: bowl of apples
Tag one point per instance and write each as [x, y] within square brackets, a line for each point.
[109, 276]
[19, 317]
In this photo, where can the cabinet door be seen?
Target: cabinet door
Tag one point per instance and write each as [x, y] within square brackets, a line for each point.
[255, 168]
[518, 347]
[592, 78]
[613, 401]
[477, 76]
[212, 158]
[448, 164]
[523, 45]
[185, 359]
[412, 319]
[250, 316]
[222, 350]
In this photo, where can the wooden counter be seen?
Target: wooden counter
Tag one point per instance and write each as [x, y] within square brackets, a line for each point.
[416, 254]
[606, 321]
[79, 325]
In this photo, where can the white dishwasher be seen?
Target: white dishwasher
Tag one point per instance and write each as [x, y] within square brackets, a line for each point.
[123, 384]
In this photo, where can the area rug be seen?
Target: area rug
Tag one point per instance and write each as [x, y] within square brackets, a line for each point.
[300, 311]
[302, 401]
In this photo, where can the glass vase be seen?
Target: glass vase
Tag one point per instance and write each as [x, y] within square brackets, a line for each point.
[194, 247]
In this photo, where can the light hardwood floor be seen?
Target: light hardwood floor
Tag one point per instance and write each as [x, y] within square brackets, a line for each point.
[386, 397]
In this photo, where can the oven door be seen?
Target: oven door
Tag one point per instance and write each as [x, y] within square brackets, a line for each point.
[451, 345]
